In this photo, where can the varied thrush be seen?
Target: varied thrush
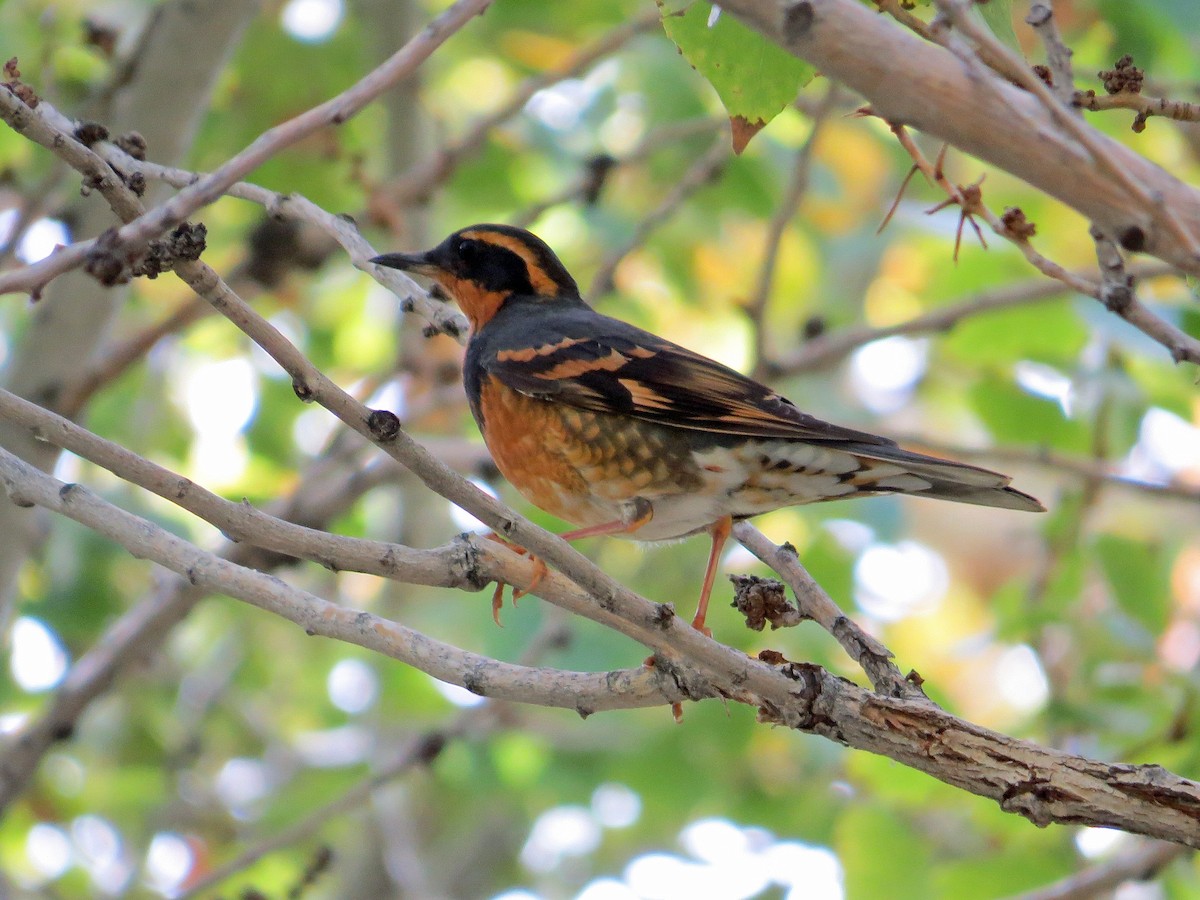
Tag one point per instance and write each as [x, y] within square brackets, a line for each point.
[622, 432]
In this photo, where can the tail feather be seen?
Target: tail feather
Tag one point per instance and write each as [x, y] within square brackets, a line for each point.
[954, 481]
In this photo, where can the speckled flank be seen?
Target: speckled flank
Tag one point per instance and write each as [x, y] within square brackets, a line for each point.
[585, 467]
[556, 452]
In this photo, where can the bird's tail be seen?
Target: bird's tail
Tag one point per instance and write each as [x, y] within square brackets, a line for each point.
[929, 476]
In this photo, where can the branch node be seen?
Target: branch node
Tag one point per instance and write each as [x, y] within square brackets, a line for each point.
[763, 600]
[1015, 224]
[663, 614]
[89, 133]
[1132, 238]
[133, 143]
[384, 425]
[1123, 78]
[302, 390]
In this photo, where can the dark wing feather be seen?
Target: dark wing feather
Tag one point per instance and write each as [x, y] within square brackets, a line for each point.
[589, 361]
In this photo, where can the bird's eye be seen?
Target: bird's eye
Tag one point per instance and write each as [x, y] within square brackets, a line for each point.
[467, 250]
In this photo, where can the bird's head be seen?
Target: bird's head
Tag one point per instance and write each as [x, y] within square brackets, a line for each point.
[483, 266]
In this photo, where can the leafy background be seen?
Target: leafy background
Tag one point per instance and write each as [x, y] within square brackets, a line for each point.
[1080, 628]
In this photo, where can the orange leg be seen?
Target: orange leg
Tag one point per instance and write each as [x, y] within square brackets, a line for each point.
[719, 532]
[645, 512]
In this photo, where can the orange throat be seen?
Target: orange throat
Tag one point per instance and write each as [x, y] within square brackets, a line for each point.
[478, 305]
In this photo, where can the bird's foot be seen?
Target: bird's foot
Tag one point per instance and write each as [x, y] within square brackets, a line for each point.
[539, 572]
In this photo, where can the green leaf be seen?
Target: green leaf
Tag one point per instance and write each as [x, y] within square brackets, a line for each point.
[1193, 284]
[1139, 575]
[1046, 332]
[1010, 414]
[754, 78]
[998, 16]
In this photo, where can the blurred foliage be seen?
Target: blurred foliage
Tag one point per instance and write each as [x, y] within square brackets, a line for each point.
[1078, 629]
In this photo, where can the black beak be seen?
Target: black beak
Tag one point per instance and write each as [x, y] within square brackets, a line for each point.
[418, 263]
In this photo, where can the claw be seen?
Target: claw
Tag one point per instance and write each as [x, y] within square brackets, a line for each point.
[498, 603]
[539, 572]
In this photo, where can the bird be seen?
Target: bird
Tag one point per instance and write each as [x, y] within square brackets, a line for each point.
[621, 432]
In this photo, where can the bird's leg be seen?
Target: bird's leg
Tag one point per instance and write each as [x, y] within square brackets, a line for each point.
[719, 532]
[539, 572]
[639, 512]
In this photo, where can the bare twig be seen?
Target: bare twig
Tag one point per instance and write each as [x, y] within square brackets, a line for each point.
[1017, 230]
[1118, 296]
[874, 658]
[1145, 107]
[1141, 864]
[828, 348]
[1016, 69]
[905, 17]
[703, 171]
[784, 212]
[135, 235]
[907, 79]
[418, 182]
[1058, 54]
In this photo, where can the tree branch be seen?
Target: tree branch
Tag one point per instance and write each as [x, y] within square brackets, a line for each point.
[909, 80]
[134, 235]
[1095, 881]
[644, 686]
[828, 348]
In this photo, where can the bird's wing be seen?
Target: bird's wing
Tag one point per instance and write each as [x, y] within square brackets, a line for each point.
[613, 367]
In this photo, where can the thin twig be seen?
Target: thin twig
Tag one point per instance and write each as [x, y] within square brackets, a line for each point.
[793, 195]
[420, 180]
[1017, 230]
[1016, 69]
[828, 348]
[1145, 107]
[1099, 880]
[134, 235]
[1058, 54]
[872, 656]
[702, 172]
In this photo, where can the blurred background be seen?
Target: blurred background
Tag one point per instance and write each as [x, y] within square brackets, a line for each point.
[343, 774]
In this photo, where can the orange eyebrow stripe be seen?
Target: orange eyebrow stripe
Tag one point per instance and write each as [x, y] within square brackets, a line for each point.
[572, 367]
[529, 354]
[542, 283]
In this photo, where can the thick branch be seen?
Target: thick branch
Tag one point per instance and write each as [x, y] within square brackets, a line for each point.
[1041, 784]
[145, 540]
[909, 80]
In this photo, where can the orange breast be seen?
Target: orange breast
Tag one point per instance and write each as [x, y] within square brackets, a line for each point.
[579, 465]
[532, 447]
